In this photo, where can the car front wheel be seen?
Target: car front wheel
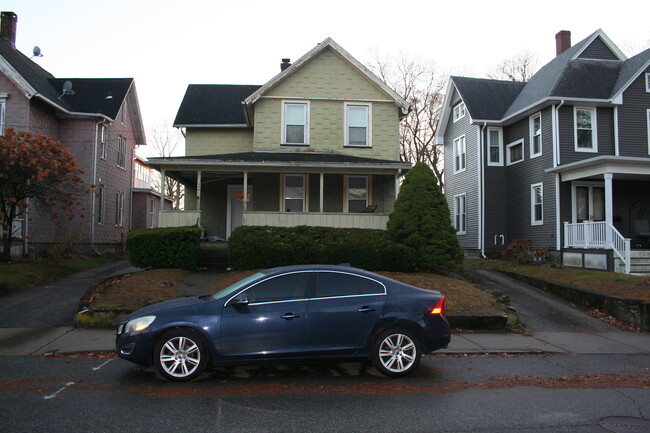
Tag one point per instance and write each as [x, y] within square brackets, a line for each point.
[396, 352]
[180, 355]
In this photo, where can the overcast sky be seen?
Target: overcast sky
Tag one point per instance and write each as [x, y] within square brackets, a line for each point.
[166, 45]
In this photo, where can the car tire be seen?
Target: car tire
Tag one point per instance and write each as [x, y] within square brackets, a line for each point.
[396, 352]
[180, 355]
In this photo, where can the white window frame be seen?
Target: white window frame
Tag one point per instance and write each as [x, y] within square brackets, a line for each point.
[121, 152]
[460, 155]
[531, 124]
[101, 205]
[647, 82]
[459, 111]
[590, 198]
[119, 209]
[594, 130]
[498, 163]
[519, 142]
[152, 212]
[368, 124]
[3, 109]
[284, 126]
[460, 213]
[347, 191]
[103, 141]
[533, 204]
[304, 191]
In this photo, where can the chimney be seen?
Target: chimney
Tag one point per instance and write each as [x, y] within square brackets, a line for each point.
[285, 64]
[8, 27]
[562, 41]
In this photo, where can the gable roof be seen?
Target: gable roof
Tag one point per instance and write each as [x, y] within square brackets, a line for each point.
[214, 105]
[329, 44]
[487, 99]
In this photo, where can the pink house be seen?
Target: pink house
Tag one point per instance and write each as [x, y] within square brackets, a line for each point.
[146, 199]
[99, 121]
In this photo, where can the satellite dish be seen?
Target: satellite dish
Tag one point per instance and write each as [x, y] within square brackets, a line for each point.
[37, 52]
[67, 89]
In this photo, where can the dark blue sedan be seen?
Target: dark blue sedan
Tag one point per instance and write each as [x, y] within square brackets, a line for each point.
[290, 314]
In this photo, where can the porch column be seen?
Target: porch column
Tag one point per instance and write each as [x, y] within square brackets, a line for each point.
[609, 205]
[162, 195]
[322, 191]
[199, 175]
[245, 198]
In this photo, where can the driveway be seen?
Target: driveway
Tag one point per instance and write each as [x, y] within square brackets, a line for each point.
[54, 304]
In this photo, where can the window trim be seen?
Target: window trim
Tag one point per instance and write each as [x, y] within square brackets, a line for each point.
[121, 152]
[283, 132]
[647, 82]
[347, 190]
[594, 130]
[123, 114]
[3, 110]
[119, 209]
[152, 212]
[346, 116]
[304, 191]
[498, 163]
[457, 202]
[456, 111]
[101, 205]
[103, 141]
[509, 162]
[533, 204]
[532, 135]
[464, 154]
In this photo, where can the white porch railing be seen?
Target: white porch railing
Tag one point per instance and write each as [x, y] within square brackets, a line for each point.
[178, 218]
[598, 234]
[323, 219]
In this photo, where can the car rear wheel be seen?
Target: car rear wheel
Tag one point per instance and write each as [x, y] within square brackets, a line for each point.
[396, 352]
[180, 355]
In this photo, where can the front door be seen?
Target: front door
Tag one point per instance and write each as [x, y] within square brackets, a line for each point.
[236, 206]
[589, 203]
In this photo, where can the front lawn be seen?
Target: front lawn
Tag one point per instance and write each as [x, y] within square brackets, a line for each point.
[609, 283]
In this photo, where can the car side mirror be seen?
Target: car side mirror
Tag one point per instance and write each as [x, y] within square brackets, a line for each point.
[239, 301]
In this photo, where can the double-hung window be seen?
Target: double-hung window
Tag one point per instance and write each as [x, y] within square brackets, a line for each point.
[495, 146]
[295, 123]
[119, 209]
[460, 154]
[103, 143]
[152, 212]
[535, 126]
[357, 193]
[3, 107]
[585, 130]
[537, 204]
[459, 111]
[460, 214]
[647, 82]
[121, 152]
[101, 205]
[515, 152]
[294, 192]
[357, 128]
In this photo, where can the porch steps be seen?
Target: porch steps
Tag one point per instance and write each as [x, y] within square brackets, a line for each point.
[213, 255]
[639, 264]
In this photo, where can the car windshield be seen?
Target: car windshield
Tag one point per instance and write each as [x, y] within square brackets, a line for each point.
[236, 286]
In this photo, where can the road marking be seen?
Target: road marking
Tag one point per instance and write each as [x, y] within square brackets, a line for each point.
[47, 397]
[98, 368]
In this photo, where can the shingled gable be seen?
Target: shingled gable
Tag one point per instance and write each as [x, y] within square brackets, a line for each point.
[329, 44]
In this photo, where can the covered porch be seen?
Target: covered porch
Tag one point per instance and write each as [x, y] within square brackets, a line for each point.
[604, 205]
[287, 189]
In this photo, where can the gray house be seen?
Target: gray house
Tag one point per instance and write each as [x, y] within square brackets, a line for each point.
[562, 160]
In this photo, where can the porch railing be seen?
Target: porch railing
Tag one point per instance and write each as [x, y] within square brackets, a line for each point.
[323, 219]
[178, 218]
[598, 234]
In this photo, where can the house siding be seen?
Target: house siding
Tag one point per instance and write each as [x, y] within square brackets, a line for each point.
[598, 50]
[632, 119]
[217, 141]
[605, 134]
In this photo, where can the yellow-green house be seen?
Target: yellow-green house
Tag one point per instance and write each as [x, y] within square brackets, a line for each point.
[316, 145]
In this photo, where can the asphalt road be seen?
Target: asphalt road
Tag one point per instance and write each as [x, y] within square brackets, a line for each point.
[448, 394]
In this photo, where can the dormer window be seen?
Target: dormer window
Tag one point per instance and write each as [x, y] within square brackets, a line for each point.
[459, 111]
[295, 123]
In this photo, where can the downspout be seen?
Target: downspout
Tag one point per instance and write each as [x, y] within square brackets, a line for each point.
[556, 162]
[92, 195]
[481, 189]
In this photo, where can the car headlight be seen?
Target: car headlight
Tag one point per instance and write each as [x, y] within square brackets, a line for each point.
[139, 324]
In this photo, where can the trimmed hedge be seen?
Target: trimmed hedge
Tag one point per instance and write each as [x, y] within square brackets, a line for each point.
[176, 247]
[267, 247]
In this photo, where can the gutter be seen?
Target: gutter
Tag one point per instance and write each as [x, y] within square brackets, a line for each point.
[92, 196]
[556, 163]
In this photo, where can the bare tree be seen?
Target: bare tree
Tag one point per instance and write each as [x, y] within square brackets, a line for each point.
[520, 67]
[420, 84]
[165, 141]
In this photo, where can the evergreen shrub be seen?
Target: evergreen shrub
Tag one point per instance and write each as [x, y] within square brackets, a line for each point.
[176, 247]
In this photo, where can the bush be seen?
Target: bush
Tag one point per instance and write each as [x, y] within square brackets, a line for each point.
[267, 247]
[164, 247]
[421, 222]
[522, 251]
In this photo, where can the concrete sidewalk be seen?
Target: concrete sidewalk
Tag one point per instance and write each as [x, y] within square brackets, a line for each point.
[38, 341]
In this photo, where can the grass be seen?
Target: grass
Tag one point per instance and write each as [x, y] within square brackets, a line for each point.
[28, 273]
[609, 283]
[139, 289]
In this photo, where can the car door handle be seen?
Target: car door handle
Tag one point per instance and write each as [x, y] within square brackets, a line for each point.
[290, 316]
[366, 309]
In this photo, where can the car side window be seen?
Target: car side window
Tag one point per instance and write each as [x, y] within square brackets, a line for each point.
[331, 284]
[281, 288]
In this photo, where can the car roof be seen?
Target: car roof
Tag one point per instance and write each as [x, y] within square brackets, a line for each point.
[298, 268]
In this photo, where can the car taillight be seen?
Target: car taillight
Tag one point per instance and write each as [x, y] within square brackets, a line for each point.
[439, 308]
